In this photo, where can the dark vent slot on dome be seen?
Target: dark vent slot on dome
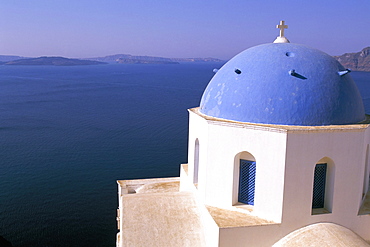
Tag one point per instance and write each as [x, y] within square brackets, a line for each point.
[238, 71]
[295, 74]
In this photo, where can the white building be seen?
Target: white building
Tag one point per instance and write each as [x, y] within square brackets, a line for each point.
[278, 156]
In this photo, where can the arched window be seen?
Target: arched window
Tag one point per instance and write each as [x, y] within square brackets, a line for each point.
[319, 183]
[244, 178]
[247, 178]
[323, 186]
[196, 161]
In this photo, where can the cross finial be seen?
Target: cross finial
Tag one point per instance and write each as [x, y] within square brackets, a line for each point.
[281, 38]
[281, 26]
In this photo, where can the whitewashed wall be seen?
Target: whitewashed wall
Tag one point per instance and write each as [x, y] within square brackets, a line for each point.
[222, 144]
[285, 162]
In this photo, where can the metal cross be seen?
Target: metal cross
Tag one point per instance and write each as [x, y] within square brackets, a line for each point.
[281, 26]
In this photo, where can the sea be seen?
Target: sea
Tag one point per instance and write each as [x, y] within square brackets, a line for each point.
[68, 133]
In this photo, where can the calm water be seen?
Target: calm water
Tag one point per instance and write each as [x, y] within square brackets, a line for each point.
[68, 133]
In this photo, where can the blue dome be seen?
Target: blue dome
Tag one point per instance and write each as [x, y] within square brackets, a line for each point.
[283, 83]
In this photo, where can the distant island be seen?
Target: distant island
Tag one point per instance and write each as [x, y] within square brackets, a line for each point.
[143, 61]
[5, 58]
[56, 61]
[119, 58]
[358, 61]
[129, 59]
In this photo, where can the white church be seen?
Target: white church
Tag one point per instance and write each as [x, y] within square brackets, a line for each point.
[278, 156]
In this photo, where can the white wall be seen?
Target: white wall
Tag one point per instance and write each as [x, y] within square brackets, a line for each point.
[285, 157]
[198, 129]
[220, 145]
[343, 150]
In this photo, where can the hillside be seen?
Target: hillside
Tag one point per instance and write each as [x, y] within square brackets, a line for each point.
[359, 61]
[6, 58]
[56, 61]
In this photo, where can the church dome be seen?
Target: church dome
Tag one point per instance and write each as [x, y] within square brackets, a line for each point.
[283, 83]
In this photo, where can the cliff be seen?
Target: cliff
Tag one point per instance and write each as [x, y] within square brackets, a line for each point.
[359, 61]
[56, 61]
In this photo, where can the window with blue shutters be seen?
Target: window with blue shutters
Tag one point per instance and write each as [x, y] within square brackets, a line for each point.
[319, 183]
[247, 177]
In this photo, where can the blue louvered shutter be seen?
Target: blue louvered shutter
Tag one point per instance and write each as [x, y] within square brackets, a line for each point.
[319, 186]
[247, 177]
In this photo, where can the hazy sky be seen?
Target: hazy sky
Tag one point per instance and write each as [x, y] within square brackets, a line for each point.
[177, 28]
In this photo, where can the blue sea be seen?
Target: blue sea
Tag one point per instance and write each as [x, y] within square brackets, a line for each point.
[68, 133]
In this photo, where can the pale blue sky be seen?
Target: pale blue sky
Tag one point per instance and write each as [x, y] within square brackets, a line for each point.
[177, 28]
